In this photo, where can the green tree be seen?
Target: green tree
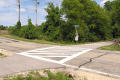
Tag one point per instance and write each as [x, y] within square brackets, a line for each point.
[15, 30]
[28, 31]
[93, 20]
[113, 9]
[18, 25]
[51, 27]
[2, 27]
[108, 6]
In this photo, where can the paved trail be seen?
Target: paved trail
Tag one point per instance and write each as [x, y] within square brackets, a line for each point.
[31, 56]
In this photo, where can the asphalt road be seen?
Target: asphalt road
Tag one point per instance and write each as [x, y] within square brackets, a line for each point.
[17, 46]
[32, 56]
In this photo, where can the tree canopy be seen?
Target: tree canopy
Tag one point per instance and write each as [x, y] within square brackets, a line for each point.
[113, 9]
[96, 22]
[93, 20]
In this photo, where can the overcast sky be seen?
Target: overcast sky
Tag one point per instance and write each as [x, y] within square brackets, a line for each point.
[8, 11]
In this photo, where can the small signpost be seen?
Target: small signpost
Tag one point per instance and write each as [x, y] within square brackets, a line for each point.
[76, 34]
[76, 26]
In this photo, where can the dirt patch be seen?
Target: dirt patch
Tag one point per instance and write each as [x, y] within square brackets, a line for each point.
[6, 53]
[3, 32]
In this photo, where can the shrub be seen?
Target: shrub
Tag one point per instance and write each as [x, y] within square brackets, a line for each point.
[38, 33]
[12, 30]
[2, 27]
[28, 31]
[18, 25]
[15, 30]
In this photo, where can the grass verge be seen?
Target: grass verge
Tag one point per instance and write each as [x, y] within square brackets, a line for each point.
[42, 41]
[28, 40]
[62, 43]
[110, 47]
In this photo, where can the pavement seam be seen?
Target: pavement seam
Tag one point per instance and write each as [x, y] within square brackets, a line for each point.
[92, 59]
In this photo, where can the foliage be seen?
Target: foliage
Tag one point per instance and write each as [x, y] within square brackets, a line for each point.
[37, 76]
[93, 20]
[14, 30]
[51, 28]
[96, 23]
[28, 31]
[18, 25]
[116, 31]
[3, 27]
[113, 9]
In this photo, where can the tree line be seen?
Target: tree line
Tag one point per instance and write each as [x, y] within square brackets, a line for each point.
[96, 23]
[3, 27]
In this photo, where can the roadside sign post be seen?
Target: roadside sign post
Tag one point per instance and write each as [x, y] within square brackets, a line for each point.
[76, 34]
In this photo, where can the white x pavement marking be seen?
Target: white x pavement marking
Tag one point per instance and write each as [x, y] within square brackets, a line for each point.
[57, 54]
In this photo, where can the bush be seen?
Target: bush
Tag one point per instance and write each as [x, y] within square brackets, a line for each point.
[15, 30]
[2, 27]
[28, 31]
[18, 25]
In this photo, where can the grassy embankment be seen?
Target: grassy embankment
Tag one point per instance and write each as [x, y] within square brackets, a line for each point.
[5, 34]
[110, 47]
[41, 41]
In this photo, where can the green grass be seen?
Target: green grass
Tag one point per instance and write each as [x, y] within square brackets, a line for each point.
[110, 47]
[28, 40]
[37, 76]
[41, 41]
[62, 43]
[1, 55]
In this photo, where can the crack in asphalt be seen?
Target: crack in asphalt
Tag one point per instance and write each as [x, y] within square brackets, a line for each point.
[92, 59]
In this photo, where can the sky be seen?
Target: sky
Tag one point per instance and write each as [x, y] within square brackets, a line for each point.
[9, 11]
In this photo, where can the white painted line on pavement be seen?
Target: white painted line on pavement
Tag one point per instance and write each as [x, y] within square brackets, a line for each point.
[99, 72]
[27, 52]
[94, 71]
[40, 58]
[75, 55]
[55, 56]
[42, 53]
[65, 60]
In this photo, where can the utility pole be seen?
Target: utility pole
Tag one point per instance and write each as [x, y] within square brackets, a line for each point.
[18, 4]
[36, 9]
